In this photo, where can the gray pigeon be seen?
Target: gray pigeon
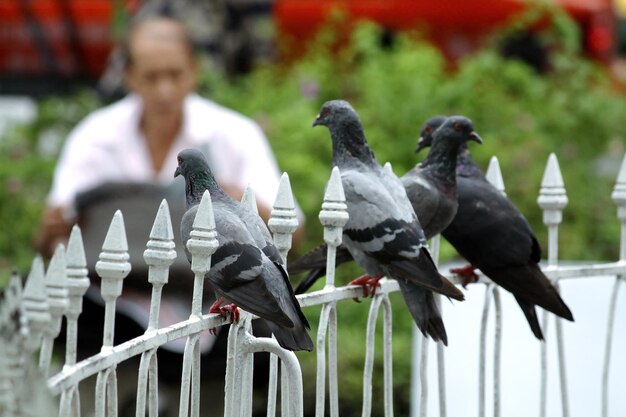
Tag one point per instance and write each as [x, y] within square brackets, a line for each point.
[246, 269]
[383, 234]
[430, 186]
[493, 235]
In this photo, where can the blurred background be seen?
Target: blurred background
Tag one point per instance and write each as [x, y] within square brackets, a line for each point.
[535, 78]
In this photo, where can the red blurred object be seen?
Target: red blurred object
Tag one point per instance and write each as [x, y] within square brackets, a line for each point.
[36, 36]
[456, 26]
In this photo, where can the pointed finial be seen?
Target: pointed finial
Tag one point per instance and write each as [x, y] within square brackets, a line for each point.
[283, 220]
[160, 253]
[56, 283]
[494, 174]
[76, 268]
[334, 213]
[552, 197]
[204, 216]
[35, 316]
[249, 200]
[202, 241]
[334, 189]
[162, 226]
[284, 196]
[75, 254]
[115, 240]
[113, 265]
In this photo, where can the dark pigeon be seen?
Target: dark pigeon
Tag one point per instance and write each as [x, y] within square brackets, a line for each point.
[246, 269]
[492, 234]
[431, 188]
[383, 234]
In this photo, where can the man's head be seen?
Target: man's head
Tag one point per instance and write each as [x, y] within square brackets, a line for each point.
[160, 65]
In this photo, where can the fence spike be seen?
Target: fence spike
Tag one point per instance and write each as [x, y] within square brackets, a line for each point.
[112, 267]
[35, 312]
[58, 302]
[494, 174]
[249, 200]
[203, 237]
[552, 196]
[159, 255]
[77, 284]
[283, 220]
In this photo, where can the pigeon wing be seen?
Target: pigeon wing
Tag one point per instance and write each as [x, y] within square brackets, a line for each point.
[488, 229]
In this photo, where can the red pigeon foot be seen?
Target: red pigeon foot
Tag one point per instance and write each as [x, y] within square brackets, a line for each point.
[367, 282]
[467, 274]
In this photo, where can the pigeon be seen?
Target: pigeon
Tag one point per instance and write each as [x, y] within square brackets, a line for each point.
[493, 235]
[430, 187]
[246, 269]
[383, 233]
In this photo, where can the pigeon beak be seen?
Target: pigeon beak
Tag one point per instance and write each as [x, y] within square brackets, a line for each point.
[420, 144]
[316, 121]
[475, 137]
[177, 172]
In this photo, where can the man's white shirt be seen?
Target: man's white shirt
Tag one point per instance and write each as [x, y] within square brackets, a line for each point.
[108, 146]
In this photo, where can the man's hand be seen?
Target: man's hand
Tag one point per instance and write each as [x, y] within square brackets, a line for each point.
[53, 229]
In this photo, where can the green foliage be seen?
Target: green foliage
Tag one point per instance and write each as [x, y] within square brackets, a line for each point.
[521, 115]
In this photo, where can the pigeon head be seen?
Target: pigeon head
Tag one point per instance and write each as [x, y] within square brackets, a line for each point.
[448, 142]
[191, 161]
[193, 166]
[458, 129]
[346, 132]
[426, 134]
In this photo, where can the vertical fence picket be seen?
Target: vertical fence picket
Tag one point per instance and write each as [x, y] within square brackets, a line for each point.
[619, 198]
[552, 200]
[77, 284]
[112, 267]
[35, 317]
[283, 223]
[248, 199]
[494, 176]
[333, 217]
[159, 255]
[56, 289]
[201, 244]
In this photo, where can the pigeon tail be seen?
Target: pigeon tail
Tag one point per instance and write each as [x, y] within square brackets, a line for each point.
[528, 283]
[423, 308]
[295, 338]
[531, 316]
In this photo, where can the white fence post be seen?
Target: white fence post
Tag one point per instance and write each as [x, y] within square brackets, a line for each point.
[201, 244]
[56, 290]
[77, 284]
[112, 268]
[333, 216]
[619, 197]
[283, 223]
[159, 255]
[552, 200]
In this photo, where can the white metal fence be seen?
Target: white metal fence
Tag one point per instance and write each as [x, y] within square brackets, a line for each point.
[50, 295]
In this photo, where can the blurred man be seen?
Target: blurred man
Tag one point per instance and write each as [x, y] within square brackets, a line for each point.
[137, 138]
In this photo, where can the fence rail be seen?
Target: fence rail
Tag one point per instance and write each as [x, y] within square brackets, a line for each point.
[49, 295]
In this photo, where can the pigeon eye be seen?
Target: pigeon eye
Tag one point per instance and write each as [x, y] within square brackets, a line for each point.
[428, 129]
[457, 126]
[325, 112]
